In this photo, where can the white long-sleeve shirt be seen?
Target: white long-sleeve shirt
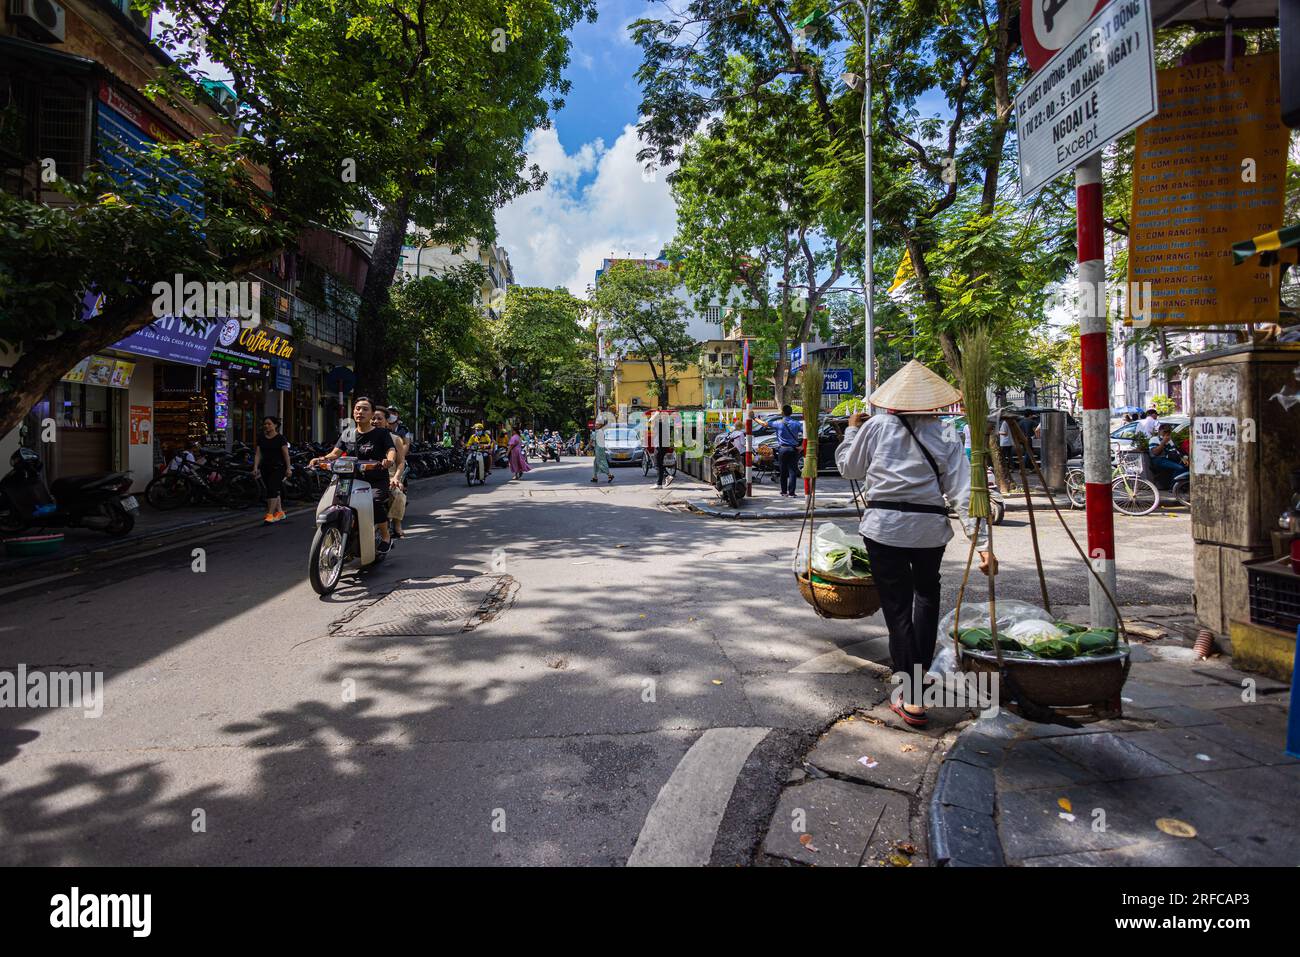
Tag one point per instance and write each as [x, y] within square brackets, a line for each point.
[886, 459]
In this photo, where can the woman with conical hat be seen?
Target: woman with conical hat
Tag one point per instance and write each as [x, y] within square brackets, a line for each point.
[909, 462]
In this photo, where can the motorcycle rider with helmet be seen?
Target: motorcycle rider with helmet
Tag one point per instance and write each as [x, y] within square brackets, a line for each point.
[368, 444]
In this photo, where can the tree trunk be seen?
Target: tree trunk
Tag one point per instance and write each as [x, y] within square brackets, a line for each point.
[372, 351]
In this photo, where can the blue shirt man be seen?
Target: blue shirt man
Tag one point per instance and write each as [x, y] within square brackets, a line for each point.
[789, 433]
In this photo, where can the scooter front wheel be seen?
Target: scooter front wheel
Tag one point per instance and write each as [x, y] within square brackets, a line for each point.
[325, 566]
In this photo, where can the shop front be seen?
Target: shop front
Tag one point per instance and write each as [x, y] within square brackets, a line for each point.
[246, 379]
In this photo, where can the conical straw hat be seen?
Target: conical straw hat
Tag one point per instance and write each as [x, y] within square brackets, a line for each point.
[914, 388]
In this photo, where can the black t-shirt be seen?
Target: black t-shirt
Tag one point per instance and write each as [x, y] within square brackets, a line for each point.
[272, 457]
[369, 446]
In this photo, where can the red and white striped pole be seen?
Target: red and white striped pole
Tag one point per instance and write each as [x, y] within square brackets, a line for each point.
[1094, 375]
[747, 361]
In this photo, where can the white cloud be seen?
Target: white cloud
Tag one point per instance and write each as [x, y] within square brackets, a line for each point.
[558, 235]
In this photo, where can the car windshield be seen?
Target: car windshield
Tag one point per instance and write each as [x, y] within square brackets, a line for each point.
[621, 435]
[1125, 431]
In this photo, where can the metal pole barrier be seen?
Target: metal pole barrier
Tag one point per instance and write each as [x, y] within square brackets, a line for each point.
[1094, 352]
[749, 449]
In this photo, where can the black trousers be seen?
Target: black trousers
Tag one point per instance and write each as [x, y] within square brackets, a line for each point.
[660, 453]
[789, 461]
[908, 579]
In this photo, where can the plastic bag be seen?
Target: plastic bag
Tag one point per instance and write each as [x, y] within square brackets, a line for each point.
[838, 554]
[1031, 632]
[945, 660]
[975, 614]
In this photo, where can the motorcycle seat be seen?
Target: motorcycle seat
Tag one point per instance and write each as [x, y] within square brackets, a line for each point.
[75, 483]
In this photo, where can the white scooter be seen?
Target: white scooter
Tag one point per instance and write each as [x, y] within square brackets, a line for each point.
[345, 524]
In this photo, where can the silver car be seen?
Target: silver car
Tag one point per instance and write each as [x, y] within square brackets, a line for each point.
[623, 445]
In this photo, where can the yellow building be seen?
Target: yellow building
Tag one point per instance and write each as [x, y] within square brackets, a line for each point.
[635, 387]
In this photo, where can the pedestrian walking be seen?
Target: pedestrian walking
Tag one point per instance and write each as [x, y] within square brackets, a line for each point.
[789, 436]
[518, 461]
[909, 463]
[661, 431]
[271, 464]
[600, 463]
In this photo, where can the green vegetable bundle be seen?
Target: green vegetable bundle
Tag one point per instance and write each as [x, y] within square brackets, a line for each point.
[1079, 642]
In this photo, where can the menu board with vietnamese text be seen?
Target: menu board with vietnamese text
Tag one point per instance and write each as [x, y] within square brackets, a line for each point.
[1208, 171]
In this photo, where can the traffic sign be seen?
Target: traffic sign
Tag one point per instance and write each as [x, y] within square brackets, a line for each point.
[1048, 25]
[837, 382]
[796, 359]
[1097, 87]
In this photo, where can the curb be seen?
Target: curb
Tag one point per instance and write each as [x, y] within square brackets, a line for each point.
[963, 808]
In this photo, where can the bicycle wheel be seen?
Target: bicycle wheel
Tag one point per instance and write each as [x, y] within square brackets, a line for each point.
[1182, 490]
[167, 491]
[1131, 495]
[1075, 488]
[241, 490]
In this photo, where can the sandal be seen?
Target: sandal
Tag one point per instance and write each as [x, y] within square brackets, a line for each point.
[915, 720]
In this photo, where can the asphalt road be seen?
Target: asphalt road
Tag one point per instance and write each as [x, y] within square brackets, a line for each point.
[639, 693]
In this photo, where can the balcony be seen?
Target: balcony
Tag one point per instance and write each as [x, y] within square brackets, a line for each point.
[326, 326]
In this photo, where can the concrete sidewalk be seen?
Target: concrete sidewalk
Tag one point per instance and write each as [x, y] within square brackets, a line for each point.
[1195, 773]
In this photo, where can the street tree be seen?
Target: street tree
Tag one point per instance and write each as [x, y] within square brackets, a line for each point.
[412, 110]
[640, 313]
[746, 218]
[543, 358]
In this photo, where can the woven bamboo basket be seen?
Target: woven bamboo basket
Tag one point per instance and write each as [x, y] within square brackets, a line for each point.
[1077, 687]
[841, 597]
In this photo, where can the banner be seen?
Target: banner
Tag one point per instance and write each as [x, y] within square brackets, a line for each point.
[1208, 171]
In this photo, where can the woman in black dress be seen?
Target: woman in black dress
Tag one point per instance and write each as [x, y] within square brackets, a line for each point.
[271, 465]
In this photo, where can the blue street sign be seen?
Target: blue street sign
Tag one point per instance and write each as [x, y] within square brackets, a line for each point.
[283, 374]
[837, 382]
[796, 359]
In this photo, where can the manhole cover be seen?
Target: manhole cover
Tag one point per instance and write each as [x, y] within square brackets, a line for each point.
[432, 606]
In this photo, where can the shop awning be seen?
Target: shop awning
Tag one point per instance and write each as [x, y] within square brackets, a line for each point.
[1281, 245]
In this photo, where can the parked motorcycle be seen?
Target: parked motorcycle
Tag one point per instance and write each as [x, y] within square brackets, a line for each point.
[728, 472]
[550, 452]
[345, 524]
[97, 502]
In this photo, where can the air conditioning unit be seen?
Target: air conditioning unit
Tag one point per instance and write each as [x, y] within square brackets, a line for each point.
[42, 19]
[635, 400]
[141, 20]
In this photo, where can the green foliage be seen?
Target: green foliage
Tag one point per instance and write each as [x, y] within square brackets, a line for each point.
[638, 307]
[1163, 405]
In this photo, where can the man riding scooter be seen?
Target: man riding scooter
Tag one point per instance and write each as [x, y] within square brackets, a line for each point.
[368, 444]
[481, 442]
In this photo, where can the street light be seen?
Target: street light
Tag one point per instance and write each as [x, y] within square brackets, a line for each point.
[855, 82]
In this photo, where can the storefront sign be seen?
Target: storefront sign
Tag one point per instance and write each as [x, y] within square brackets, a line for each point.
[141, 425]
[1209, 170]
[283, 374]
[104, 371]
[251, 349]
[1093, 91]
[221, 401]
[170, 338]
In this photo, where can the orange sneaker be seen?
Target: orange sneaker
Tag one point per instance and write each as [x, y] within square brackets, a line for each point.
[279, 516]
[268, 519]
